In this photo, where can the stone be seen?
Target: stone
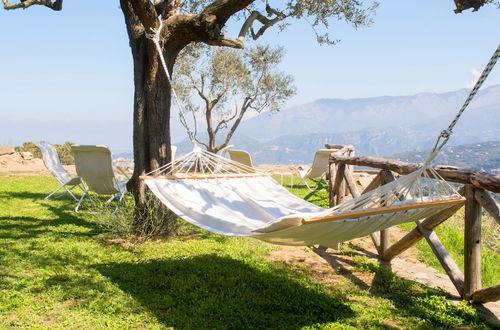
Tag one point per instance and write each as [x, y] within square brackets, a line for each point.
[26, 155]
[7, 150]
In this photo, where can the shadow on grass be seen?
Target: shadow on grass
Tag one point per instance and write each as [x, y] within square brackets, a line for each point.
[410, 299]
[30, 227]
[210, 291]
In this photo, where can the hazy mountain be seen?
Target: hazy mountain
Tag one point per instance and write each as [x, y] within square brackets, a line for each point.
[380, 126]
[425, 111]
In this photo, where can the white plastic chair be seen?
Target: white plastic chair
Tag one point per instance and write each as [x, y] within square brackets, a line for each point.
[94, 165]
[53, 164]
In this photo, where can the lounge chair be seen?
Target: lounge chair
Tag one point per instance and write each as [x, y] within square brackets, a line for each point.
[318, 168]
[94, 166]
[241, 156]
[53, 164]
[320, 164]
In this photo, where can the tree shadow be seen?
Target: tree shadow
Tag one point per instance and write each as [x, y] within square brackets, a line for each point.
[30, 227]
[410, 298]
[211, 291]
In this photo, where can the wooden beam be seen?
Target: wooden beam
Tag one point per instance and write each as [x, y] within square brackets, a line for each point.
[488, 203]
[444, 257]
[472, 240]
[375, 183]
[486, 295]
[199, 176]
[351, 184]
[478, 179]
[332, 173]
[415, 235]
[336, 190]
[385, 236]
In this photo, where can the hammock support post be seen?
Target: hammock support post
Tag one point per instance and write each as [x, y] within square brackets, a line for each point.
[472, 240]
[475, 188]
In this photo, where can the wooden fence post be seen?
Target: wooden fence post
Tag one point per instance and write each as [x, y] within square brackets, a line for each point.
[472, 246]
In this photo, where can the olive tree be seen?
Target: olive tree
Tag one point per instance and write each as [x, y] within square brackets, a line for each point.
[223, 84]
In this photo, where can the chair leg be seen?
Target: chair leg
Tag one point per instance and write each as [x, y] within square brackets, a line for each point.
[70, 193]
[85, 193]
[55, 191]
[119, 201]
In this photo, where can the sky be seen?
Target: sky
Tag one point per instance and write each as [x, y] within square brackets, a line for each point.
[67, 76]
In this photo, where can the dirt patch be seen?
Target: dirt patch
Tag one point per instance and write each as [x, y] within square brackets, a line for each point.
[16, 165]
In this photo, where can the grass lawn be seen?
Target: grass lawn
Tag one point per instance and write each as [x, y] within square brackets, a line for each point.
[56, 271]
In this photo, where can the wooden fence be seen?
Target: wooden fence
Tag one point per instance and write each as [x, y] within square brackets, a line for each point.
[475, 187]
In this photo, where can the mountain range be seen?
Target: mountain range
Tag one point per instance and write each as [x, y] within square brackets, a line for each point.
[377, 126]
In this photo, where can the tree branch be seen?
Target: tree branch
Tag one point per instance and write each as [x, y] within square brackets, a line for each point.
[54, 5]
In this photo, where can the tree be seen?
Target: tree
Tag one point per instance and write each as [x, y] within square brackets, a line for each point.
[187, 21]
[219, 77]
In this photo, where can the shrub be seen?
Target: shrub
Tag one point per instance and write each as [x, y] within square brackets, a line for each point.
[156, 220]
[63, 151]
[29, 147]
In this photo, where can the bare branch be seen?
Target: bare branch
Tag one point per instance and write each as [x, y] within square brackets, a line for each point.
[54, 5]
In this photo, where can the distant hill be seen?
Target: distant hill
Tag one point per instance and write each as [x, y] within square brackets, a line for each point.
[477, 156]
[424, 112]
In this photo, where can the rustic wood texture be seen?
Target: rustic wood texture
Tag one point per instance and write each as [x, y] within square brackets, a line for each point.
[488, 203]
[479, 180]
[444, 258]
[351, 183]
[332, 172]
[376, 182]
[385, 236]
[487, 294]
[337, 184]
[472, 240]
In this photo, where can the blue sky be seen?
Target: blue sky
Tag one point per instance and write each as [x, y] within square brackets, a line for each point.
[68, 75]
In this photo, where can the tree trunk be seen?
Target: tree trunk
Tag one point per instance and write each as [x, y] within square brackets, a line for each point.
[151, 122]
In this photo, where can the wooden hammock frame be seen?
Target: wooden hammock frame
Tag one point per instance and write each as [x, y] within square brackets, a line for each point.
[475, 191]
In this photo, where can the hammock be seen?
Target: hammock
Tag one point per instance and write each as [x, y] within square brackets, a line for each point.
[229, 198]
[232, 199]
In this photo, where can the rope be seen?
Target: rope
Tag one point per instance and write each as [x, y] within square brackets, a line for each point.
[156, 37]
[445, 135]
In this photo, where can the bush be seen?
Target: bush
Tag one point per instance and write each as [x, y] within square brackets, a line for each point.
[63, 151]
[29, 147]
[157, 221]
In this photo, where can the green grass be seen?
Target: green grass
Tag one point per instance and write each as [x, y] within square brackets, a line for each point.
[56, 271]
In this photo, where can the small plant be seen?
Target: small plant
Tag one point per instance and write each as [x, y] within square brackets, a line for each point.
[29, 147]
[64, 152]
[157, 221]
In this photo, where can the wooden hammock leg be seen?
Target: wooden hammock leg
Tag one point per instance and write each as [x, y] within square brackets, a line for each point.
[472, 240]
[449, 265]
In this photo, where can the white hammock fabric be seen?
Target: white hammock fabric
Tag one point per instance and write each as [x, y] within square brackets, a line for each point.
[228, 198]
